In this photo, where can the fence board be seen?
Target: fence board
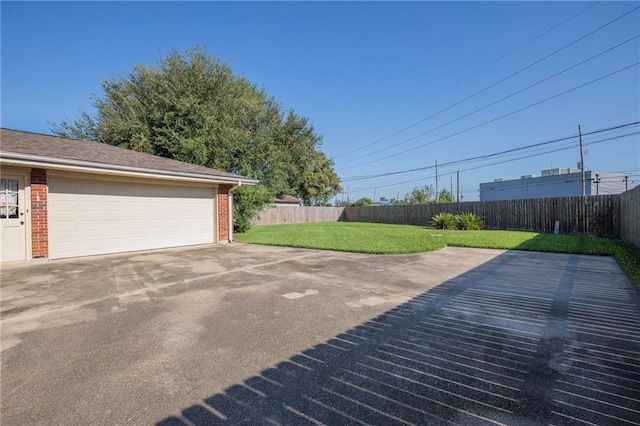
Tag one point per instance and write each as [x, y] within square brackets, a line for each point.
[629, 216]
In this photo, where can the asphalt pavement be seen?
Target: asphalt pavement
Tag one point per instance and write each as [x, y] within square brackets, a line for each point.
[243, 334]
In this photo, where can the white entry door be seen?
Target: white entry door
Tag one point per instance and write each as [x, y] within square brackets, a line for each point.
[13, 228]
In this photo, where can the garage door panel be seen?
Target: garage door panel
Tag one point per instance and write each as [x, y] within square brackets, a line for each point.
[89, 218]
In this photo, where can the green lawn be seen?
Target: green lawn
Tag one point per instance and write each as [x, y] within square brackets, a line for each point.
[380, 238]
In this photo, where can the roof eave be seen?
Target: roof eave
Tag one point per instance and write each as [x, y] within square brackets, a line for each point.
[26, 160]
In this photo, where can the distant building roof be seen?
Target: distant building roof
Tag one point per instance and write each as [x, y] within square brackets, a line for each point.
[288, 200]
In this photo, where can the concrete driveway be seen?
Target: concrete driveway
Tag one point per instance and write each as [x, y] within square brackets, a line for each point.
[245, 334]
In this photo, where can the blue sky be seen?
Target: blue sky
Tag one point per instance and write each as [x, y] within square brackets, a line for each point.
[385, 83]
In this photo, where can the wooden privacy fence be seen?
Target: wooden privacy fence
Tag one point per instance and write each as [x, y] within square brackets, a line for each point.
[597, 214]
[630, 216]
[296, 214]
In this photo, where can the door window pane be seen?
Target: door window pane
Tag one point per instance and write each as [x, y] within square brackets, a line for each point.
[9, 208]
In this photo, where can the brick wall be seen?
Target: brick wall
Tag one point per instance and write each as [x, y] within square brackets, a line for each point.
[39, 213]
[223, 212]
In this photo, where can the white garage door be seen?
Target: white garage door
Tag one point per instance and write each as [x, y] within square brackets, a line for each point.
[95, 217]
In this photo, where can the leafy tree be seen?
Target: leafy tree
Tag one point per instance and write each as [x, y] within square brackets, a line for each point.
[193, 108]
[248, 201]
[363, 202]
[320, 182]
[445, 197]
[420, 195]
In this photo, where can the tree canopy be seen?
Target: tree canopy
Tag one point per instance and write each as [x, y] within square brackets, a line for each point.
[445, 196]
[420, 195]
[193, 108]
[364, 201]
[426, 194]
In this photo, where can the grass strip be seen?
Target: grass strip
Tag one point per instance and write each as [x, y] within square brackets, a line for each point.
[380, 238]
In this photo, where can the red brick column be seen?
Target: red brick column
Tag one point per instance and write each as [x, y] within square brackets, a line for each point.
[39, 214]
[223, 213]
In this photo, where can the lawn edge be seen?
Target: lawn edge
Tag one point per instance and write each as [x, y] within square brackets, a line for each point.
[626, 256]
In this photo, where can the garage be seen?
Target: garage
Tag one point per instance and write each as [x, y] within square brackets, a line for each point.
[97, 217]
[70, 198]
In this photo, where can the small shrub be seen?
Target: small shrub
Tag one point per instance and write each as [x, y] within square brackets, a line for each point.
[444, 221]
[469, 222]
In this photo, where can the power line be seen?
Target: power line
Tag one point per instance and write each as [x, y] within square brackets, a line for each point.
[496, 163]
[572, 127]
[629, 172]
[552, 151]
[498, 82]
[495, 154]
[465, 78]
[422, 178]
[501, 99]
[502, 116]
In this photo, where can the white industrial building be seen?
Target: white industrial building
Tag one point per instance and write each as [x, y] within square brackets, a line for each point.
[558, 182]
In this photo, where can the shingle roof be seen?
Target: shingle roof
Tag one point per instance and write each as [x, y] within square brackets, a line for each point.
[287, 199]
[99, 154]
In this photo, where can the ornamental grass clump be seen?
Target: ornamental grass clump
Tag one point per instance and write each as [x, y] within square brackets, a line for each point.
[464, 221]
[444, 221]
[469, 222]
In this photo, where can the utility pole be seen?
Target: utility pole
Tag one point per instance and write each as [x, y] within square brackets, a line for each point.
[450, 187]
[597, 182]
[437, 181]
[374, 194]
[626, 183]
[458, 185]
[581, 158]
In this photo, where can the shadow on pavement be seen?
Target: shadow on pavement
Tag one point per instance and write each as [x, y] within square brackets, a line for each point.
[523, 339]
